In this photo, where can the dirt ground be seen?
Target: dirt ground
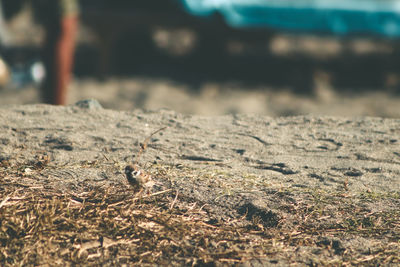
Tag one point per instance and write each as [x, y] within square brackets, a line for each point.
[219, 98]
[244, 190]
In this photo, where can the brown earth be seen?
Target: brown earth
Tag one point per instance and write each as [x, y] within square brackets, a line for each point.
[301, 190]
[219, 98]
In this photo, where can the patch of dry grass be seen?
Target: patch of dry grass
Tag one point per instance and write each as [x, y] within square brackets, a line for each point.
[101, 227]
[116, 226]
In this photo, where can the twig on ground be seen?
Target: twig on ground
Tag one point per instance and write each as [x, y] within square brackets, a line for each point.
[7, 198]
[173, 202]
[143, 146]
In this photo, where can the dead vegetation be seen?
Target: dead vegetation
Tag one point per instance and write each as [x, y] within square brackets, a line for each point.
[116, 226]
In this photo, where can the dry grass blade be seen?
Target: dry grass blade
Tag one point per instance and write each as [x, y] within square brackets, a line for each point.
[7, 198]
[175, 199]
[4, 201]
[143, 146]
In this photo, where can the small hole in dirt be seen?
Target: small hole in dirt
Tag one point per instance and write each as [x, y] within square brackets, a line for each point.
[266, 218]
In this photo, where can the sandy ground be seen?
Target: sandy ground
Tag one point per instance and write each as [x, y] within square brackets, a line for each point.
[340, 170]
[217, 98]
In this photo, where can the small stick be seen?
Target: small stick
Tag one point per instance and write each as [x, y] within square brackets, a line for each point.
[143, 146]
[137, 198]
[173, 202]
[105, 156]
[158, 193]
[7, 198]
[4, 201]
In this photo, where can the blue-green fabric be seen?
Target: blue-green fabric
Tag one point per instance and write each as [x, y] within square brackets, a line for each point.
[321, 16]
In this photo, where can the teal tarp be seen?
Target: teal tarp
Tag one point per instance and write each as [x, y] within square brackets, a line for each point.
[324, 16]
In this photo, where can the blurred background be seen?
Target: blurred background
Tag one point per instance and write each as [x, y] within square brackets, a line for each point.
[278, 58]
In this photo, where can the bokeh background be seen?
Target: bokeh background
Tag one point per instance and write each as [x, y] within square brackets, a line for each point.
[154, 54]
